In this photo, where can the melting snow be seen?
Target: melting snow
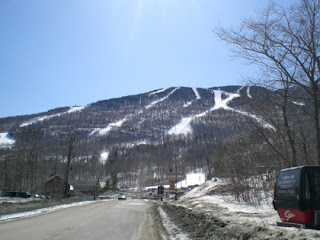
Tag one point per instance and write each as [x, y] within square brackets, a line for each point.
[159, 91]
[299, 103]
[196, 93]
[162, 99]
[104, 157]
[184, 127]
[5, 140]
[104, 131]
[188, 104]
[199, 196]
[248, 93]
[197, 97]
[42, 118]
[75, 109]
[137, 143]
[172, 229]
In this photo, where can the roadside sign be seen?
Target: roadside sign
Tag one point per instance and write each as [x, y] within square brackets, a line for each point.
[172, 184]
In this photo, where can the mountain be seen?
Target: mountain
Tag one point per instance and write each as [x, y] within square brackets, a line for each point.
[143, 138]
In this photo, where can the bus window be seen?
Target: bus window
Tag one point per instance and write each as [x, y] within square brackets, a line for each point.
[317, 184]
[307, 192]
[287, 184]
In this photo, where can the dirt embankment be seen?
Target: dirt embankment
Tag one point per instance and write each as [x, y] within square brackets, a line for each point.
[201, 225]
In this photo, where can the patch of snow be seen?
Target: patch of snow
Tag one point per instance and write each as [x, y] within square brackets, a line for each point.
[6, 141]
[262, 122]
[240, 89]
[209, 199]
[201, 198]
[248, 93]
[266, 210]
[76, 109]
[223, 103]
[202, 190]
[104, 157]
[104, 131]
[142, 142]
[187, 104]
[158, 91]
[183, 127]
[299, 103]
[196, 93]
[118, 124]
[162, 99]
[42, 118]
[38, 119]
[173, 230]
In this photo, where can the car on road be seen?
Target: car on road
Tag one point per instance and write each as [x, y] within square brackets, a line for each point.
[40, 196]
[122, 197]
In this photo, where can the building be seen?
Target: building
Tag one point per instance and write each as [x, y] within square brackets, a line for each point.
[86, 187]
[55, 187]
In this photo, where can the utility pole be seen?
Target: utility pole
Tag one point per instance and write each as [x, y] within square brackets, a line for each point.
[69, 157]
[176, 194]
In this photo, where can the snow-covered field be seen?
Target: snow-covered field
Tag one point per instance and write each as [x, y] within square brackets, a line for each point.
[226, 218]
[203, 198]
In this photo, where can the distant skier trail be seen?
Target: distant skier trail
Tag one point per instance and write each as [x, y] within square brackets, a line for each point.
[103, 131]
[184, 127]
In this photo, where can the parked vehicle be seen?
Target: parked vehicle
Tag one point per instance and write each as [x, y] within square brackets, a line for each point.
[39, 196]
[297, 197]
[122, 197]
[18, 194]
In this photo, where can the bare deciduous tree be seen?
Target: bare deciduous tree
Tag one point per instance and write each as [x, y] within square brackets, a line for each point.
[285, 43]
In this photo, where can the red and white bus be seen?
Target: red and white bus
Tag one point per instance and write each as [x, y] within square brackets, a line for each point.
[297, 197]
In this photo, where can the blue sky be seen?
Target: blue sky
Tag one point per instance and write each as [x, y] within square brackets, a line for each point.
[65, 53]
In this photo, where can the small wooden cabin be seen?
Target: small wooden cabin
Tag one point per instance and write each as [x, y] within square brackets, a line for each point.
[55, 187]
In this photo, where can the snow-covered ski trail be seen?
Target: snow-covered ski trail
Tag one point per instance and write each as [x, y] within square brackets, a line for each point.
[196, 93]
[162, 99]
[158, 91]
[103, 131]
[184, 127]
[42, 118]
[248, 93]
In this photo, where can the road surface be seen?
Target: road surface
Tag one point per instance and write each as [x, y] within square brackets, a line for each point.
[121, 220]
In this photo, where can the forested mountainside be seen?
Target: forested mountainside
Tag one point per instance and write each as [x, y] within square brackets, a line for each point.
[151, 137]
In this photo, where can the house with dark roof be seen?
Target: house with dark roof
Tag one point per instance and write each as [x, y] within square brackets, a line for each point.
[55, 187]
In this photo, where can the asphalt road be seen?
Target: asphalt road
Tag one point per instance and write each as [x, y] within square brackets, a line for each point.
[121, 220]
